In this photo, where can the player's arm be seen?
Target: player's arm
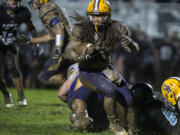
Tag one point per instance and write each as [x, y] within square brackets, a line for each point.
[126, 41]
[76, 49]
[43, 39]
[72, 73]
[57, 26]
[63, 90]
[30, 25]
[59, 39]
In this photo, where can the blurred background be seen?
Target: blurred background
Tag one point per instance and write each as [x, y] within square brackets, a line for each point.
[154, 25]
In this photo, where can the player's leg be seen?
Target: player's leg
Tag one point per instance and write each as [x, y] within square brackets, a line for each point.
[14, 72]
[7, 97]
[99, 83]
[77, 102]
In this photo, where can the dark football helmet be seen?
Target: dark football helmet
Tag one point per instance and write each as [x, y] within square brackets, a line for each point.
[12, 4]
[142, 93]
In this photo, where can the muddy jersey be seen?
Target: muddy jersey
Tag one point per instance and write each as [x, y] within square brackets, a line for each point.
[50, 11]
[9, 25]
[105, 41]
[101, 38]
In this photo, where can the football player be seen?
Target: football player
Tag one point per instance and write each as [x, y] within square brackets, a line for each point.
[171, 91]
[154, 114]
[85, 102]
[12, 15]
[97, 34]
[59, 28]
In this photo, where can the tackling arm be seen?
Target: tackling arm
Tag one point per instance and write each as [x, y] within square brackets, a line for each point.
[36, 40]
[72, 73]
[59, 35]
[63, 90]
[44, 39]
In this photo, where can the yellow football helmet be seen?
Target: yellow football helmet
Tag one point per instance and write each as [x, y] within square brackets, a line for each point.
[171, 89]
[43, 1]
[36, 4]
[98, 7]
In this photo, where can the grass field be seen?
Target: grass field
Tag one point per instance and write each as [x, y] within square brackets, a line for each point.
[44, 115]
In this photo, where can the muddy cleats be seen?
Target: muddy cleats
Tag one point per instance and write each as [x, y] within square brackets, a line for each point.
[116, 128]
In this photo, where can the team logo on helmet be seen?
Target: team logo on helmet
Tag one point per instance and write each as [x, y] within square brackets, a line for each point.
[171, 89]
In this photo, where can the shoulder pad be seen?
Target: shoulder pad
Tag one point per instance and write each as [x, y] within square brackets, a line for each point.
[46, 9]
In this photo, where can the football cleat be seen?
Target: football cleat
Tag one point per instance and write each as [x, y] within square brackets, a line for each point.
[9, 101]
[22, 103]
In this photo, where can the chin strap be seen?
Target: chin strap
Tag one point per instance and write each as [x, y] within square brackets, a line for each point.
[96, 27]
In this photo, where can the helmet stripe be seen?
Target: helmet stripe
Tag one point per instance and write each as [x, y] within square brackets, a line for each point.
[96, 4]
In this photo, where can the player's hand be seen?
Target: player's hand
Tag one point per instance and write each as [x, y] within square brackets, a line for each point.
[7, 41]
[102, 53]
[126, 41]
[56, 56]
[97, 53]
[21, 40]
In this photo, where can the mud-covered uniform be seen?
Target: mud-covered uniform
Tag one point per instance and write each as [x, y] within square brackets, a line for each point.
[94, 70]
[105, 41]
[51, 14]
[94, 100]
[8, 31]
[156, 118]
[78, 90]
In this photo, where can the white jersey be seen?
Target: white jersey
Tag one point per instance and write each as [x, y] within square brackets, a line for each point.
[73, 71]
